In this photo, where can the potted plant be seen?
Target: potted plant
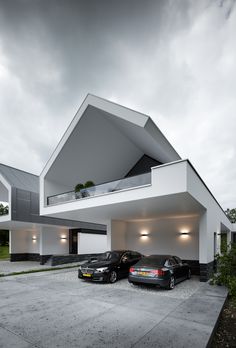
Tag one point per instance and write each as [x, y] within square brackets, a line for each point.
[81, 189]
[78, 187]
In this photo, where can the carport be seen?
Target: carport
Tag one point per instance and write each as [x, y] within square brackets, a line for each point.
[149, 198]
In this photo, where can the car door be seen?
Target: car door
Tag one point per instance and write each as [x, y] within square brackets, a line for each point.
[125, 263]
[135, 257]
[175, 267]
[182, 270]
[184, 267]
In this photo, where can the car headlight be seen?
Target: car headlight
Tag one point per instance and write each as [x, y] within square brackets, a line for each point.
[101, 269]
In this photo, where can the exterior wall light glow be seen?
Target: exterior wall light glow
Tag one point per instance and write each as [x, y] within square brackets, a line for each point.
[34, 238]
[63, 238]
[144, 235]
[184, 234]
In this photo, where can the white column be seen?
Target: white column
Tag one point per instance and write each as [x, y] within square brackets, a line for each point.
[109, 235]
[203, 239]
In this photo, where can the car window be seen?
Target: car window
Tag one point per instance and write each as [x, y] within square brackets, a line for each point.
[109, 256]
[178, 260]
[126, 257]
[172, 262]
[153, 260]
[135, 255]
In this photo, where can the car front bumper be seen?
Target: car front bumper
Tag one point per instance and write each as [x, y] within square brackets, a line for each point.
[96, 276]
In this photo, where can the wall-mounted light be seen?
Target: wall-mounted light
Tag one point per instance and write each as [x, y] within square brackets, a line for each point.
[144, 235]
[184, 234]
[34, 239]
[63, 238]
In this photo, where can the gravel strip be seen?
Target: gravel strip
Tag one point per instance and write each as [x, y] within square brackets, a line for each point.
[182, 290]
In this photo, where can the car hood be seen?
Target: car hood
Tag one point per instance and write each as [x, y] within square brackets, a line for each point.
[98, 264]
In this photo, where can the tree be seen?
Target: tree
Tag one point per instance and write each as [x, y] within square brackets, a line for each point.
[4, 209]
[231, 213]
[4, 237]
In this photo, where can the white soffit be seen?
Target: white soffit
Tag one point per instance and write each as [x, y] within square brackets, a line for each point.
[139, 128]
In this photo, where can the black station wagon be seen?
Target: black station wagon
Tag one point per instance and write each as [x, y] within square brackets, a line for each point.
[162, 270]
[109, 266]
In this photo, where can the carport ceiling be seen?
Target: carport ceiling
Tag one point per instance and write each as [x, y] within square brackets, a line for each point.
[182, 204]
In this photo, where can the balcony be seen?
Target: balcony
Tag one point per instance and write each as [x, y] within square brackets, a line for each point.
[101, 189]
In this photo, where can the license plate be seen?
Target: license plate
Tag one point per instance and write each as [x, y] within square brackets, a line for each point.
[87, 275]
[143, 273]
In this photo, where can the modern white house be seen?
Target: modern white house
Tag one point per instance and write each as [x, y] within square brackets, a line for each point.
[150, 199]
[34, 237]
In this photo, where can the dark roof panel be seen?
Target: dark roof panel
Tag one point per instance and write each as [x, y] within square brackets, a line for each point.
[20, 179]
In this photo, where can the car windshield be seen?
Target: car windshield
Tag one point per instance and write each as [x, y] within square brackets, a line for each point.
[109, 256]
[152, 261]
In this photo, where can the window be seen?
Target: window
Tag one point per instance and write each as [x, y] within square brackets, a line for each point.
[178, 260]
[172, 262]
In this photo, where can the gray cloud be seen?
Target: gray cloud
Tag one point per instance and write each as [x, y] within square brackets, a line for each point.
[173, 60]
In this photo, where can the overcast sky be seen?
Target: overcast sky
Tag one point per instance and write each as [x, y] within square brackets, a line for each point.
[173, 60]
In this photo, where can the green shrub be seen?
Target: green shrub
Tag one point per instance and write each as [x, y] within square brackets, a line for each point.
[89, 184]
[232, 287]
[79, 187]
[226, 269]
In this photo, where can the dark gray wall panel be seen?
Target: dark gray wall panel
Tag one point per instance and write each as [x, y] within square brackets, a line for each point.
[25, 207]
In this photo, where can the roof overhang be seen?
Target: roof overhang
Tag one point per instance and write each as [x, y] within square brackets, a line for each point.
[170, 206]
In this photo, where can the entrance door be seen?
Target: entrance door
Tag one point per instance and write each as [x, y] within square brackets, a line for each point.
[73, 241]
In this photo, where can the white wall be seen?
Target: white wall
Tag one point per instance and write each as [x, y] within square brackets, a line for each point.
[211, 220]
[51, 242]
[91, 243]
[164, 237]
[23, 242]
[118, 240]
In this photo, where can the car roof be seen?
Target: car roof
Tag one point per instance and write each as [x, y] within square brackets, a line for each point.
[160, 255]
[124, 251]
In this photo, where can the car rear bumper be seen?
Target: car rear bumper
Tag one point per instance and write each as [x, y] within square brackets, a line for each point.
[147, 280]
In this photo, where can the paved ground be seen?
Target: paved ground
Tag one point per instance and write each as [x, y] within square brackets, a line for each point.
[7, 267]
[56, 309]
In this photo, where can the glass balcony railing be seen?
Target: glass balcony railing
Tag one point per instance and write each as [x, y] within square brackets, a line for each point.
[112, 186]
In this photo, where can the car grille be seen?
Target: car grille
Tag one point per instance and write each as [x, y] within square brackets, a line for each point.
[87, 270]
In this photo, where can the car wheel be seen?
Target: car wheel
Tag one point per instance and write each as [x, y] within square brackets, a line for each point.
[171, 284]
[112, 278]
[189, 274]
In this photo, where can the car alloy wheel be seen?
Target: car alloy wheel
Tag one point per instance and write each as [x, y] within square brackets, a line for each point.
[171, 283]
[113, 277]
[189, 274]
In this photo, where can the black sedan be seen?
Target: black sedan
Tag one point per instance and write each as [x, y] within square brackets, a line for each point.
[162, 270]
[109, 266]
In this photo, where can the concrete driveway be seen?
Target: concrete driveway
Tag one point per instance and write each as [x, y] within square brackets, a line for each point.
[56, 309]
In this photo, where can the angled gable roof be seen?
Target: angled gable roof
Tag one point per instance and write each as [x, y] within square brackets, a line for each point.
[19, 178]
[86, 133]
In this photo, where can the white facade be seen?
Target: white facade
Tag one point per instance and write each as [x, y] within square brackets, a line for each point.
[91, 243]
[104, 143]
